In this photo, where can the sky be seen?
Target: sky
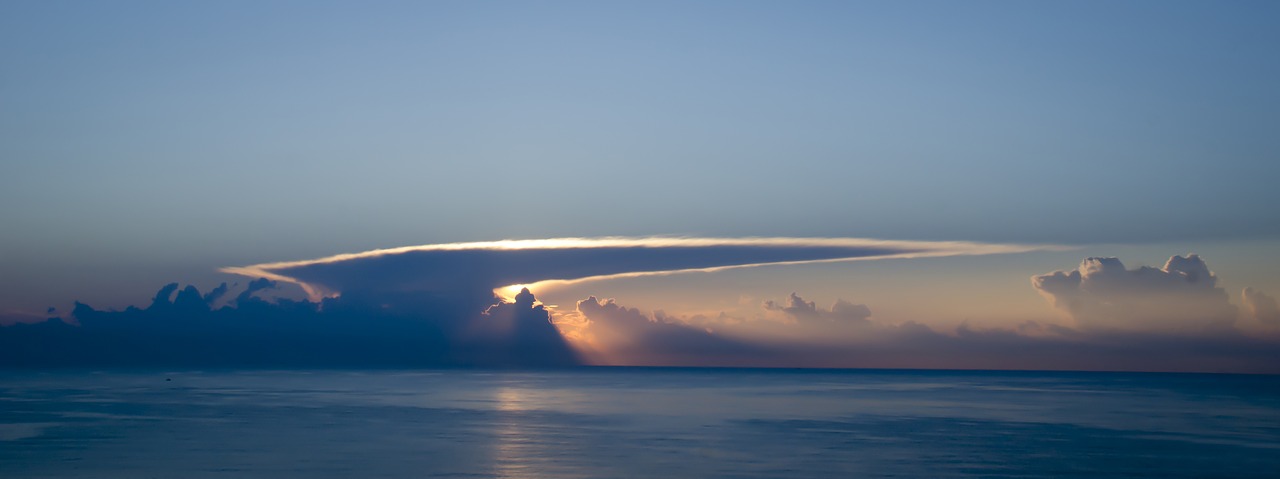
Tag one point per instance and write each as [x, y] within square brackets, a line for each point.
[982, 143]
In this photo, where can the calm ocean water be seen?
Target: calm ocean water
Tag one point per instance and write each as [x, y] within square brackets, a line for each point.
[636, 422]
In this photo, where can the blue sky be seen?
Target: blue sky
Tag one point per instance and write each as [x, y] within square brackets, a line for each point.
[148, 142]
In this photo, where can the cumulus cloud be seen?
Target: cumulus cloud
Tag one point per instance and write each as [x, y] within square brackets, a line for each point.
[842, 311]
[182, 328]
[216, 294]
[1260, 306]
[1101, 294]
[516, 333]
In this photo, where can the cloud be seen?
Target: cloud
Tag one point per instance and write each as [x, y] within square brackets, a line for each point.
[1101, 294]
[417, 330]
[216, 294]
[842, 311]
[496, 264]
[18, 317]
[636, 338]
[620, 335]
[419, 305]
[462, 279]
[254, 286]
[181, 328]
[510, 333]
[1260, 306]
[435, 306]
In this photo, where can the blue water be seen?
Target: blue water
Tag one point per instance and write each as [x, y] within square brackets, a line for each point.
[659, 423]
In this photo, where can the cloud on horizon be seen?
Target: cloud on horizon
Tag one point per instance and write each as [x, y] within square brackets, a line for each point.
[608, 333]
[425, 305]
[666, 340]
[436, 307]
[800, 310]
[182, 328]
[1101, 294]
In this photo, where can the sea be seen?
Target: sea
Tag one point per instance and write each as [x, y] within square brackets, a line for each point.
[605, 422]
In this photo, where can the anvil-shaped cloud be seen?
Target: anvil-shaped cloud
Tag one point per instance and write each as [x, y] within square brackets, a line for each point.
[497, 264]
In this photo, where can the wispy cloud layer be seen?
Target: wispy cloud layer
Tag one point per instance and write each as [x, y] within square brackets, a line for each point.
[495, 264]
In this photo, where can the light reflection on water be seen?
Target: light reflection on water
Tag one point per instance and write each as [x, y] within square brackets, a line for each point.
[636, 423]
[516, 446]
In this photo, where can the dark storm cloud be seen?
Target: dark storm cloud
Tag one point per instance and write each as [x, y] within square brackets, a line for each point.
[386, 330]
[436, 306]
[467, 266]
[517, 333]
[422, 305]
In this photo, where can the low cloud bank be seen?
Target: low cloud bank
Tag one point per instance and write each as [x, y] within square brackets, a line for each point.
[616, 334]
[182, 328]
[612, 334]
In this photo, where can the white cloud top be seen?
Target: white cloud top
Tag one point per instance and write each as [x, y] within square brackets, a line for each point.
[1101, 294]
